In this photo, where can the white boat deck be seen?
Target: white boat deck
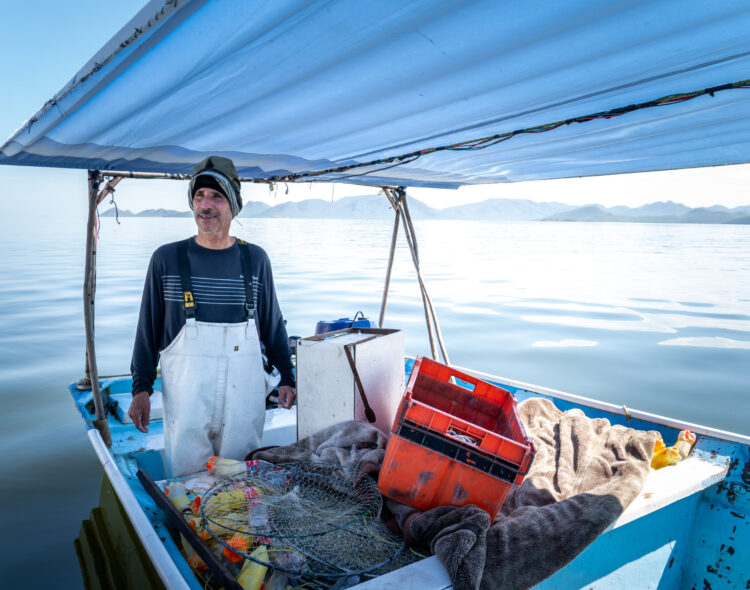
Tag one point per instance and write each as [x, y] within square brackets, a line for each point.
[675, 482]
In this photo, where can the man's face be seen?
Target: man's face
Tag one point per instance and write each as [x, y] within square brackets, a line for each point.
[212, 212]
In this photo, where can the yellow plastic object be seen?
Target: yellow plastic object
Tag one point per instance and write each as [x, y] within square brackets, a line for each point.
[664, 455]
[177, 494]
[232, 501]
[685, 442]
[222, 467]
[252, 574]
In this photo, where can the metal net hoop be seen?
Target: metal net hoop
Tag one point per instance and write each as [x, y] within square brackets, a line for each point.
[312, 519]
[290, 500]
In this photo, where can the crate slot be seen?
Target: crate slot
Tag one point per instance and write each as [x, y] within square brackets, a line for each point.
[453, 449]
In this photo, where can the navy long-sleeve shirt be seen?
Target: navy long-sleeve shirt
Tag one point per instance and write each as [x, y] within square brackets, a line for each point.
[219, 295]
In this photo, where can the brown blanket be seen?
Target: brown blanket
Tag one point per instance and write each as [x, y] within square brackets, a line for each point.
[584, 474]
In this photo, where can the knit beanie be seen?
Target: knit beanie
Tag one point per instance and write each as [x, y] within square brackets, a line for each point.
[219, 174]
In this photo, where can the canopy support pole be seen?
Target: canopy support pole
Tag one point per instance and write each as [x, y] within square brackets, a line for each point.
[89, 289]
[397, 197]
[394, 239]
[85, 383]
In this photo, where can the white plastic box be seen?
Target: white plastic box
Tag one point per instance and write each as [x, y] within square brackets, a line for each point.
[326, 388]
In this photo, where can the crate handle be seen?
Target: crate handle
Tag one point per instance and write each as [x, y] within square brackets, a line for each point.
[453, 379]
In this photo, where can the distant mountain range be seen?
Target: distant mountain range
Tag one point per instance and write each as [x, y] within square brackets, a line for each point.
[377, 207]
[146, 213]
[668, 212]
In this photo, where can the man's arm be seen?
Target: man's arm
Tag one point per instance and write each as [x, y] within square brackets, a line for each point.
[146, 347]
[273, 332]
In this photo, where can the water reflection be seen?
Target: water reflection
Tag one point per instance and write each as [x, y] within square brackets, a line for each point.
[644, 322]
[707, 342]
[566, 343]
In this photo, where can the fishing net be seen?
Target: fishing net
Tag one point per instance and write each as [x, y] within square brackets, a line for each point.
[309, 519]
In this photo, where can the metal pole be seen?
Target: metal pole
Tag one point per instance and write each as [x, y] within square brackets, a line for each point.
[411, 241]
[394, 239]
[157, 175]
[89, 286]
[425, 295]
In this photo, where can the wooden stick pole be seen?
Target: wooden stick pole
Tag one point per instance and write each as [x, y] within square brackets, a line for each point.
[89, 287]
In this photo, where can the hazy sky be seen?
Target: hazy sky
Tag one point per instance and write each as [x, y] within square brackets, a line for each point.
[43, 43]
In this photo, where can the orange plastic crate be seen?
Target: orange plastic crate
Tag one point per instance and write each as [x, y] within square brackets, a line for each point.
[456, 440]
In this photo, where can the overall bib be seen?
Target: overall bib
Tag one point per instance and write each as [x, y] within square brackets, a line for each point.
[213, 385]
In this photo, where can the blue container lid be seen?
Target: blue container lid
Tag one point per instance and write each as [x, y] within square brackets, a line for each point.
[358, 321]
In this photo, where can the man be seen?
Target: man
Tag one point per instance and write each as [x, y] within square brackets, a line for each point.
[207, 304]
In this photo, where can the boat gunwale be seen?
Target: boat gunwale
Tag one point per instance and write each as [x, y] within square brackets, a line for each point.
[160, 557]
[621, 410]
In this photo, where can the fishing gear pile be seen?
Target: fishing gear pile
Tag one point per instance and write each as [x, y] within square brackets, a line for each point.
[302, 524]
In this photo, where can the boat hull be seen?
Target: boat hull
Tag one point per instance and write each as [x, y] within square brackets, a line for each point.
[686, 529]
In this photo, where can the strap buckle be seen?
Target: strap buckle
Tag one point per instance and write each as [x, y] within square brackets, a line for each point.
[188, 304]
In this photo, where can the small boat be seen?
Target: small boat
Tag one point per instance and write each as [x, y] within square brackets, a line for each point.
[688, 524]
[425, 94]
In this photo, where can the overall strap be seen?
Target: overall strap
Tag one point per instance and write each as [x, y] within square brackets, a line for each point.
[247, 279]
[188, 302]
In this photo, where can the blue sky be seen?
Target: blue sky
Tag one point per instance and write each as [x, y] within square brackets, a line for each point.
[45, 42]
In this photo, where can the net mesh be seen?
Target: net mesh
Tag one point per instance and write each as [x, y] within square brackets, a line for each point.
[312, 519]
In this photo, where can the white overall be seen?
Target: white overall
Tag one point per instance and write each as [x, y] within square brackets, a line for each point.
[214, 392]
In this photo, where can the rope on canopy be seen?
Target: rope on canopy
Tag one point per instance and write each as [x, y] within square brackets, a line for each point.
[485, 142]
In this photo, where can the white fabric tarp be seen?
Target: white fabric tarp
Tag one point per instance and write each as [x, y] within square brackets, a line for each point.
[293, 86]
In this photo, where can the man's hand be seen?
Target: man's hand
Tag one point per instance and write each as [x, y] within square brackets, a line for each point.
[140, 410]
[286, 396]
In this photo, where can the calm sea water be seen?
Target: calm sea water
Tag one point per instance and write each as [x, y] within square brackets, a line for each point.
[656, 317]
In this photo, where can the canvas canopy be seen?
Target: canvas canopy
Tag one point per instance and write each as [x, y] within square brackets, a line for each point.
[297, 86]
